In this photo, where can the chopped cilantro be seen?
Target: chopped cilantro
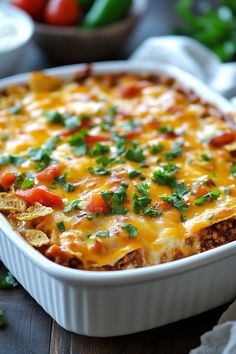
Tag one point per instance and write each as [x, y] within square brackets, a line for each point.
[76, 140]
[42, 155]
[175, 200]
[143, 189]
[131, 229]
[103, 234]
[11, 159]
[131, 125]
[72, 122]
[61, 180]
[134, 174]
[27, 183]
[152, 211]
[118, 199]
[74, 205]
[55, 117]
[61, 226]
[233, 169]
[155, 149]
[98, 171]
[16, 109]
[206, 157]
[164, 176]
[166, 129]
[173, 154]
[135, 153]
[69, 187]
[207, 198]
[140, 203]
[8, 282]
[227, 191]
[183, 218]
[106, 196]
[99, 149]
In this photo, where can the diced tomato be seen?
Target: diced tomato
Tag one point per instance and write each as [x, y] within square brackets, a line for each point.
[133, 134]
[40, 195]
[130, 91]
[97, 204]
[49, 173]
[66, 132]
[7, 179]
[223, 139]
[96, 138]
[201, 190]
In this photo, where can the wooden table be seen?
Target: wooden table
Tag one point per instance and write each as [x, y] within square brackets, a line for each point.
[30, 330]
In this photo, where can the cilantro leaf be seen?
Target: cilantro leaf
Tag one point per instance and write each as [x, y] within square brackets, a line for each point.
[61, 226]
[27, 183]
[206, 157]
[99, 149]
[173, 154]
[11, 159]
[233, 169]
[213, 195]
[140, 203]
[155, 149]
[74, 205]
[98, 171]
[131, 229]
[55, 117]
[135, 153]
[134, 174]
[175, 200]
[103, 234]
[152, 211]
[165, 175]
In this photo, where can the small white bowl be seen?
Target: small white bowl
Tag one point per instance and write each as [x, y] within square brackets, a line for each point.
[14, 51]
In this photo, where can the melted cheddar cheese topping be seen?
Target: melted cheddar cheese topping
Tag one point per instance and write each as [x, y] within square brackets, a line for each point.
[126, 163]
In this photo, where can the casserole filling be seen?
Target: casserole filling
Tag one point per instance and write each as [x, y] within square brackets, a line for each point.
[116, 171]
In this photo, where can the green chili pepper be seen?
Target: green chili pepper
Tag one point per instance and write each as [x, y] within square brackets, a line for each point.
[104, 12]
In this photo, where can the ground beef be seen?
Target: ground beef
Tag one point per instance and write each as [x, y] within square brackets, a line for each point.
[218, 234]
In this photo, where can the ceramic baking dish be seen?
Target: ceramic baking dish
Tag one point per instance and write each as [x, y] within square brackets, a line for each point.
[115, 303]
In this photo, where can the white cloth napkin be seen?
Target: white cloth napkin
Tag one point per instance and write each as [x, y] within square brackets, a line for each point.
[191, 56]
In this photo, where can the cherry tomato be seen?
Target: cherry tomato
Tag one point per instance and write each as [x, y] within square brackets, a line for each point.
[40, 195]
[62, 12]
[33, 7]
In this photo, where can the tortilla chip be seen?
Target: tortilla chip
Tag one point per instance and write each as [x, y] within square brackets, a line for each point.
[36, 238]
[39, 82]
[35, 211]
[10, 202]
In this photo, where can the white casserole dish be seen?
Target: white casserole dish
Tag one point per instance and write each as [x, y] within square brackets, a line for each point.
[115, 303]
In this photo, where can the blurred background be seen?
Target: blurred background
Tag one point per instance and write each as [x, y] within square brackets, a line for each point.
[72, 31]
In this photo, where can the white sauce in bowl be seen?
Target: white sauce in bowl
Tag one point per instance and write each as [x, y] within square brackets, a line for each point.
[14, 28]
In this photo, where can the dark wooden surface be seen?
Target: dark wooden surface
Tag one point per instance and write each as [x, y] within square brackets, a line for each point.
[30, 330]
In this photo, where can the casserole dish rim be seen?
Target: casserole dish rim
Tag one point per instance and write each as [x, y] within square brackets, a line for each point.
[123, 277]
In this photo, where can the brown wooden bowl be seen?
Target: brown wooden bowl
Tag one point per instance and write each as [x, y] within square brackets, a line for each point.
[73, 44]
